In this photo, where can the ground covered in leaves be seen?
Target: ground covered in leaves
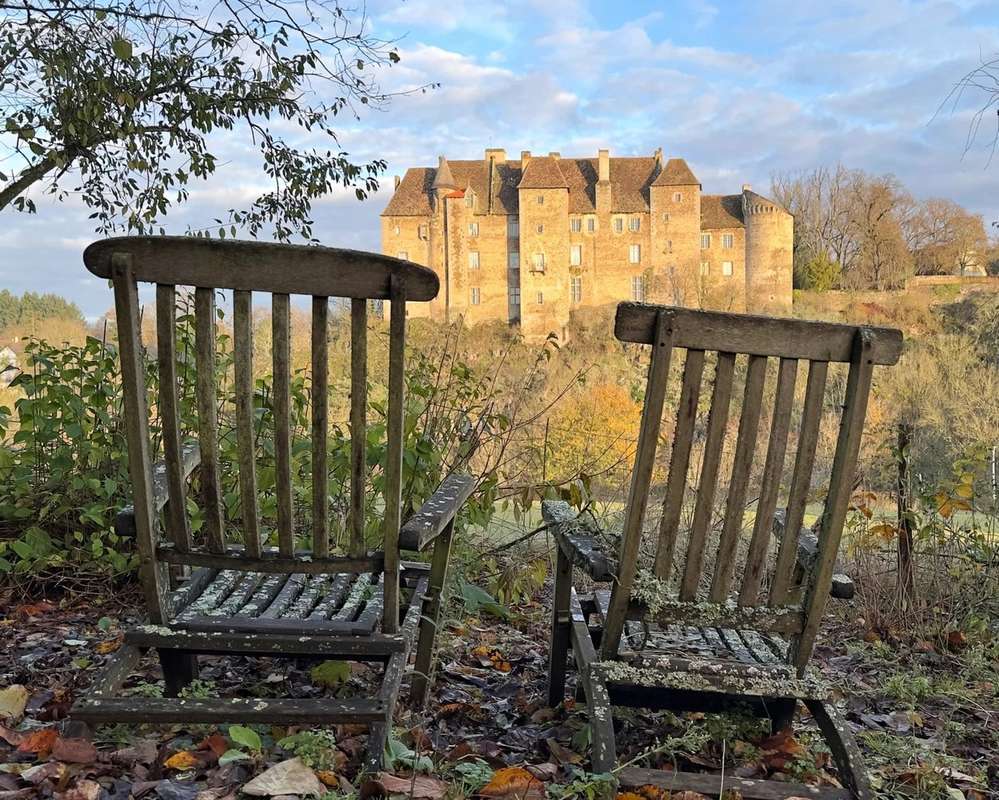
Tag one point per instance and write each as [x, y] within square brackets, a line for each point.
[926, 718]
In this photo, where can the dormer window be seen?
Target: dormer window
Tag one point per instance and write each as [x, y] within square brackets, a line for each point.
[469, 199]
[423, 232]
[677, 197]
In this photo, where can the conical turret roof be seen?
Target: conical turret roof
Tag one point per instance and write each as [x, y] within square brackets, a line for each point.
[444, 179]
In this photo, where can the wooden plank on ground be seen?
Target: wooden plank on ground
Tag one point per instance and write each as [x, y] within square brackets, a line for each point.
[154, 710]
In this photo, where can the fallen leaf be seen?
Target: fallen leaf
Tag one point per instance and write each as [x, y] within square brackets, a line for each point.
[84, 790]
[330, 674]
[956, 640]
[184, 760]
[108, 646]
[35, 609]
[37, 774]
[563, 755]
[288, 777]
[13, 699]
[418, 787]
[39, 742]
[687, 795]
[142, 752]
[12, 737]
[514, 782]
[74, 751]
[217, 743]
[543, 772]
[327, 777]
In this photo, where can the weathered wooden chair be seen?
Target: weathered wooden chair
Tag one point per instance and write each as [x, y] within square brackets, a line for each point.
[245, 597]
[688, 638]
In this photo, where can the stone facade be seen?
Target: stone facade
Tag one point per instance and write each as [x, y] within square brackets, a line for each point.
[527, 241]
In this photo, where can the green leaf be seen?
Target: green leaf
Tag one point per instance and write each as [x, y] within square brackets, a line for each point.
[105, 623]
[231, 756]
[247, 737]
[330, 674]
[122, 48]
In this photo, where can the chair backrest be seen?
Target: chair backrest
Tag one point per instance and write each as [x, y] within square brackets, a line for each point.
[756, 339]
[279, 270]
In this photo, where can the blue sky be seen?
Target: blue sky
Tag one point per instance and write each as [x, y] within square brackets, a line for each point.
[741, 90]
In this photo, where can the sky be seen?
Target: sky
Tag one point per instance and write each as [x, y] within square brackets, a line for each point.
[740, 90]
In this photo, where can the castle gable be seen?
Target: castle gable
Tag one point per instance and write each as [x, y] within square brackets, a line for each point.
[676, 173]
[543, 173]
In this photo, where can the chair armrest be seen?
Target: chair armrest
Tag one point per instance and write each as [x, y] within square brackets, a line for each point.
[190, 458]
[436, 513]
[577, 538]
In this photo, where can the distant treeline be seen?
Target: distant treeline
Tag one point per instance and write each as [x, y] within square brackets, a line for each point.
[32, 307]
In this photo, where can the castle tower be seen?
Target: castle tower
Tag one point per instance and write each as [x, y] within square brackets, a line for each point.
[769, 253]
[675, 225]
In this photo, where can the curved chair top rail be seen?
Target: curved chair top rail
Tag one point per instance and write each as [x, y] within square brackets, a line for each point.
[262, 267]
[755, 335]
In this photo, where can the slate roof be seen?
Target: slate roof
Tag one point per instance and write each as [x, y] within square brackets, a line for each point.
[630, 179]
[721, 211]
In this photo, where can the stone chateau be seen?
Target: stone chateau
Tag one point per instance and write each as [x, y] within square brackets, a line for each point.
[530, 240]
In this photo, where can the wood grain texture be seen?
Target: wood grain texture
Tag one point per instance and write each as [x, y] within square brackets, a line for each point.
[281, 346]
[358, 425]
[262, 267]
[437, 512]
[755, 335]
[641, 477]
[208, 419]
[320, 427]
[242, 325]
[679, 463]
[773, 470]
[742, 465]
[177, 523]
[721, 399]
[393, 453]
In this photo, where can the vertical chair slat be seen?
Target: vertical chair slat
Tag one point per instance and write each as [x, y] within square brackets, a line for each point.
[320, 426]
[858, 389]
[773, 468]
[208, 419]
[745, 450]
[281, 345]
[808, 435]
[177, 523]
[358, 426]
[242, 325]
[641, 477]
[721, 397]
[133, 375]
[393, 453]
[683, 437]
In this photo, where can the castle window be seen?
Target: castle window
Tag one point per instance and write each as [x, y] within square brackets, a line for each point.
[591, 223]
[618, 225]
[473, 228]
[423, 232]
[403, 254]
[541, 298]
[635, 253]
[475, 295]
[705, 241]
[538, 262]
[469, 199]
[541, 199]
[513, 225]
[576, 289]
[575, 224]
[576, 255]
[395, 230]
[727, 269]
[666, 217]
[473, 259]
[635, 224]
[728, 240]
[704, 268]
[669, 245]
[514, 296]
[541, 228]
[513, 260]
[677, 197]
[638, 289]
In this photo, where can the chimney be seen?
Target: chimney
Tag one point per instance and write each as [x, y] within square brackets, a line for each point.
[497, 154]
[658, 155]
[397, 180]
[525, 158]
[603, 166]
[555, 155]
[746, 187]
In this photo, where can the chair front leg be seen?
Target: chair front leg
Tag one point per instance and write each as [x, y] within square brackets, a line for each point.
[561, 629]
[179, 669]
[423, 676]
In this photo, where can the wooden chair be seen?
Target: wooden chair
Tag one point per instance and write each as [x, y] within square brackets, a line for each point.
[689, 637]
[245, 597]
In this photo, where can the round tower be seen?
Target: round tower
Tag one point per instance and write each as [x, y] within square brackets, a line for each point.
[769, 253]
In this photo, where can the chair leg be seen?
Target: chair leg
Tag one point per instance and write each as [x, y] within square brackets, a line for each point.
[843, 746]
[561, 629]
[179, 669]
[423, 674]
[782, 714]
[377, 739]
